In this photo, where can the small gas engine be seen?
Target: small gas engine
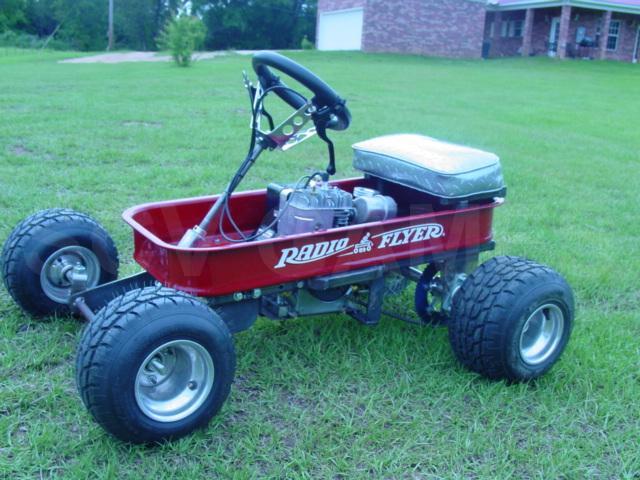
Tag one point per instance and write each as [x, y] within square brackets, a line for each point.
[320, 206]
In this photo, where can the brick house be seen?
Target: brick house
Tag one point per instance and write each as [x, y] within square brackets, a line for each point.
[599, 29]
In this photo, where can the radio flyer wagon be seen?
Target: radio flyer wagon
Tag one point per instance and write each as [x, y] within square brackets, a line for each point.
[157, 359]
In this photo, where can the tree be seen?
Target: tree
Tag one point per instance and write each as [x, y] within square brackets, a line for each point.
[12, 14]
[84, 22]
[137, 23]
[110, 27]
[256, 23]
[41, 17]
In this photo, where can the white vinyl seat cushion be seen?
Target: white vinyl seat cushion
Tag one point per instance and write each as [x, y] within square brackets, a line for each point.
[438, 168]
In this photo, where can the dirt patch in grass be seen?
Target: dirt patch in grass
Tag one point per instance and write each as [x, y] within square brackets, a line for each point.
[125, 57]
[141, 123]
[20, 150]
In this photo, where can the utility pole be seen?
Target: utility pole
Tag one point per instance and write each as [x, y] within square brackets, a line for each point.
[110, 30]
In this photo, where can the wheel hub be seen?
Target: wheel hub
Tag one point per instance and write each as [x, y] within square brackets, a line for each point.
[440, 293]
[57, 274]
[541, 334]
[174, 380]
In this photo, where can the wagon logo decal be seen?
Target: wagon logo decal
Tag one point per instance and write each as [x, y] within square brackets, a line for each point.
[312, 252]
[364, 245]
[319, 250]
[417, 233]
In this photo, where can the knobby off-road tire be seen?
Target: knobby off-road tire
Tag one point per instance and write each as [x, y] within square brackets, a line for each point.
[154, 365]
[497, 312]
[43, 246]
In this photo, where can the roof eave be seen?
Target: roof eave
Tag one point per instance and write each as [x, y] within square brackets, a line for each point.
[590, 4]
[526, 4]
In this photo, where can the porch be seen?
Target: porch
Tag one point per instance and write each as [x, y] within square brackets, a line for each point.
[604, 31]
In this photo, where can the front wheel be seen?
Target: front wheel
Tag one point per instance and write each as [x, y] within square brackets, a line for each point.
[511, 319]
[154, 365]
[46, 249]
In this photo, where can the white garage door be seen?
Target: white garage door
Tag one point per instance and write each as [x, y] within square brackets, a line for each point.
[340, 30]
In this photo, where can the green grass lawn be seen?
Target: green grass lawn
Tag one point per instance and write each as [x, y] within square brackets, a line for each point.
[323, 397]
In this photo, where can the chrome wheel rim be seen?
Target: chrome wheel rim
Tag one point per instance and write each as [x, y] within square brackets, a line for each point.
[55, 274]
[541, 334]
[174, 380]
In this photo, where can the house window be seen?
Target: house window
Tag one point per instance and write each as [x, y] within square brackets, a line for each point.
[504, 29]
[516, 28]
[581, 33]
[512, 28]
[492, 29]
[614, 33]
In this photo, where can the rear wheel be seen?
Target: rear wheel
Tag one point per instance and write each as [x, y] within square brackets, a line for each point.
[154, 365]
[511, 319]
[45, 251]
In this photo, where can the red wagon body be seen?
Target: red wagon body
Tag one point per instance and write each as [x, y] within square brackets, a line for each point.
[220, 267]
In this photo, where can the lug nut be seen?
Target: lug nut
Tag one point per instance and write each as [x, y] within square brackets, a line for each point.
[192, 385]
[152, 379]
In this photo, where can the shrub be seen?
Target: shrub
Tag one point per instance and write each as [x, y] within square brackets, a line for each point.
[19, 40]
[306, 44]
[181, 36]
[24, 40]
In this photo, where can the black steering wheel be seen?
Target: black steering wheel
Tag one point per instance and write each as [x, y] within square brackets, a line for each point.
[330, 108]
